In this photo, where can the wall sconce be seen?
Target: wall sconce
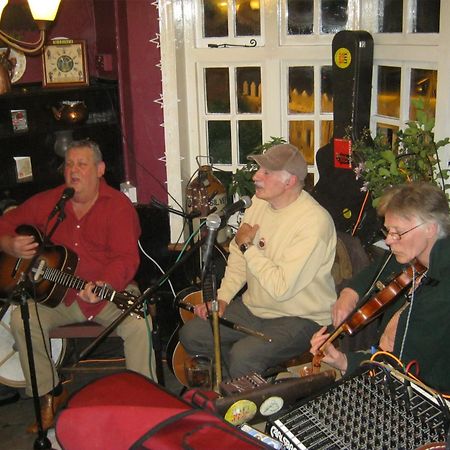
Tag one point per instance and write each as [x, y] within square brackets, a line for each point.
[44, 13]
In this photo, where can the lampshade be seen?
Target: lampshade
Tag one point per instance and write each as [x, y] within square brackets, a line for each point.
[43, 12]
[2, 6]
[44, 9]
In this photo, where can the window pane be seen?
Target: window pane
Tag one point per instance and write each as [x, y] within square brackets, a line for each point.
[388, 101]
[390, 18]
[300, 16]
[219, 141]
[215, 18]
[388, 131]
[326, 89]
[248, 89]
[301, 134]
[326, 132]
[423, 86]
[247, 18]
[301, 89]
[250, 137]
[426, 17]
[334, 15]
[217, 90]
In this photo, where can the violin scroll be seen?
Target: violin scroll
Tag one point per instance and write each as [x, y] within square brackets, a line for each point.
[317, 361]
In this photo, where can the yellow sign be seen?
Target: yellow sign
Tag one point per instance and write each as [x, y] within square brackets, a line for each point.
[342, 57]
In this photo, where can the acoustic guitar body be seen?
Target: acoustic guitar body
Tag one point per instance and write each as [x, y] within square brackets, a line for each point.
[176, 353]
[12, 270]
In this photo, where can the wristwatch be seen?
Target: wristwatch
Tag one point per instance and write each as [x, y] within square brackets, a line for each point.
[244, 247]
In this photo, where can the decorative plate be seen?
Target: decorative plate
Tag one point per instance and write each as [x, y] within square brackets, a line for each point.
[19, 63]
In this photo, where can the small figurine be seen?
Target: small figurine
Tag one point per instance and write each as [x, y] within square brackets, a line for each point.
[6, 69]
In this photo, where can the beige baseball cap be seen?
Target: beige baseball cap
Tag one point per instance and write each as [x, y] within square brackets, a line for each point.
[283, 157]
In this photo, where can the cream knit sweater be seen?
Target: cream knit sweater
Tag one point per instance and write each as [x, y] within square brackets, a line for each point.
[288, 269]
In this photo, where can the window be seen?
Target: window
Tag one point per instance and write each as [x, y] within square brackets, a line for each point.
[332, 16]
[230, 97]
[309, 108]
[423, 16]
[406, 69]
[388, 92]
[232, 20]
[233, 112]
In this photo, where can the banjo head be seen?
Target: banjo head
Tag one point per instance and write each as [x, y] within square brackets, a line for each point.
[11, 373]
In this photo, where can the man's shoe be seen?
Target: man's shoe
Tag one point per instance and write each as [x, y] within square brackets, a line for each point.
[8, 395]
[50, 405]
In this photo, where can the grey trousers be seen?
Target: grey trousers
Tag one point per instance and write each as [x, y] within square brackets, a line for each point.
[139, 354]
[242, 353]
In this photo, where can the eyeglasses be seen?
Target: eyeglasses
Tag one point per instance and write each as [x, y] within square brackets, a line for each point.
[397, 236]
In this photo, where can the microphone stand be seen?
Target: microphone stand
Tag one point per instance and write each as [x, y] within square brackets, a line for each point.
[42, 441]
[20, 294]
[47, 236]
[145, 296]
[213, 223]
[216, 333]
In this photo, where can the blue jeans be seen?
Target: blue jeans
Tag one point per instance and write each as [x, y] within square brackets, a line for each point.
[242, 353]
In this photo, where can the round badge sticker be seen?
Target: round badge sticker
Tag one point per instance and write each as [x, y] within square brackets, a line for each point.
[240, 412]
[347, 213]
[271, 405]
[342, 57]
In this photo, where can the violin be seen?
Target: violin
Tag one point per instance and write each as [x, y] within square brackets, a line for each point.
[372, 308]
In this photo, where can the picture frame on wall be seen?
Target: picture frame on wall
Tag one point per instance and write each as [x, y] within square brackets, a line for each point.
[19, 120]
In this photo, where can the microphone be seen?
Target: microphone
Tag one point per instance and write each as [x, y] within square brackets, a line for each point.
[66, 195]
[213, 225]
[244, 203]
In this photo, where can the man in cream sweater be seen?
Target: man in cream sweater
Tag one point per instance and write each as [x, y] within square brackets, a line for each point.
[283, 252]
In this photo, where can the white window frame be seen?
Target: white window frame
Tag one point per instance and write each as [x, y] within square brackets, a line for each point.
[233, 116]
[204, 42]
[184, 54]
[317, 116]
[316, 37]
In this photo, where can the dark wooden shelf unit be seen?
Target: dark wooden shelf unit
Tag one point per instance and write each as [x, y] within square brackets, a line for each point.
[38, 140]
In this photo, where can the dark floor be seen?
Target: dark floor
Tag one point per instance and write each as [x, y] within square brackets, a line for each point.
[15, 417]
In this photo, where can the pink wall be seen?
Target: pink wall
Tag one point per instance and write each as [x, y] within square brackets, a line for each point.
[121, 29]
[75, 20]
[143, 87]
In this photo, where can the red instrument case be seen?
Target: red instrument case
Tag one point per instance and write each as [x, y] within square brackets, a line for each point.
[127, 411]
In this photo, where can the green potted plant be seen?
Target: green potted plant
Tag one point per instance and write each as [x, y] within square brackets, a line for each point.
[241, 181]
[412, 157]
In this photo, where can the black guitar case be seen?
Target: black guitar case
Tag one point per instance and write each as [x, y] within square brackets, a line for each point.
[337, 189]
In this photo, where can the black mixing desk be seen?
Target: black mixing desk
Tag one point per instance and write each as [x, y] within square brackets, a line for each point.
[376, 409]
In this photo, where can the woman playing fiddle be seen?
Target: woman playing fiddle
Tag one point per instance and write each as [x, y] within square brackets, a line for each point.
[415, 324]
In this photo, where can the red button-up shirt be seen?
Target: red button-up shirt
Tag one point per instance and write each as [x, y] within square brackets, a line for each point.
[105, 239]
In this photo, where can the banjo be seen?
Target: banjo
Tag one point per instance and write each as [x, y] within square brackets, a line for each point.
[11, 372]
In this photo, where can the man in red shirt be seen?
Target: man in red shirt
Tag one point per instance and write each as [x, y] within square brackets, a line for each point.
[102, 228]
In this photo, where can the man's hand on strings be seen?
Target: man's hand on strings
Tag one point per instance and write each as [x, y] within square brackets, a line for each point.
[204, 309]
[344, 305]
[332, 356]
[88, 295]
